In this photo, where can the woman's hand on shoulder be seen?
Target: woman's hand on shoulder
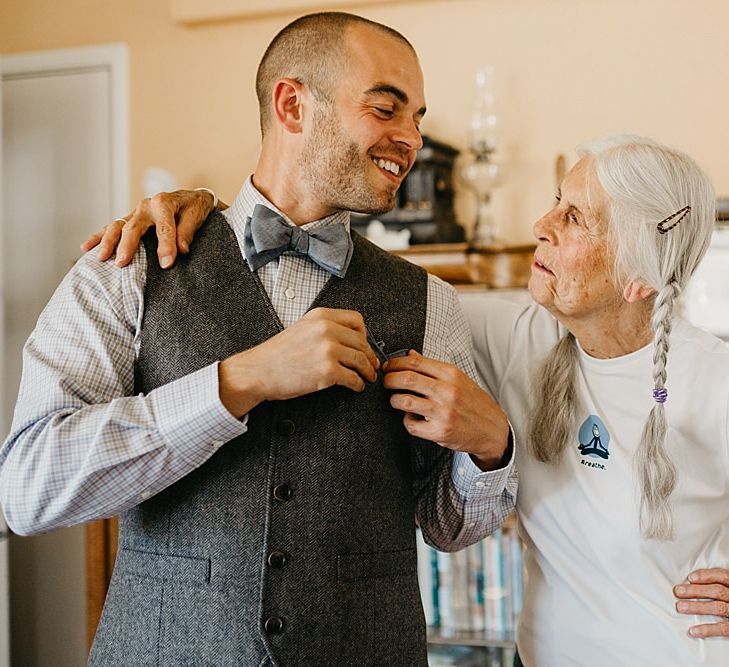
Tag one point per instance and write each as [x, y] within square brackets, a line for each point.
[176, 217]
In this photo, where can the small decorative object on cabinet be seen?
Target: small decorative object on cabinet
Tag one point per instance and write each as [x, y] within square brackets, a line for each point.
[472, 599]
[482, 173]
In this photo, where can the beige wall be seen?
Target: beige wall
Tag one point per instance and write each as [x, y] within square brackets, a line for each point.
[567, 70]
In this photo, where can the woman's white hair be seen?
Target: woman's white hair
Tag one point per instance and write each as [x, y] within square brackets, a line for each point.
[645, 183]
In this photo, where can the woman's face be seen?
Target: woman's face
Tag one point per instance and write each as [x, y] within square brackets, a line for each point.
[571, 269]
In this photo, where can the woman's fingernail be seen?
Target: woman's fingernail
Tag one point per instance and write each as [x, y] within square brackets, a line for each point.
[166, 261]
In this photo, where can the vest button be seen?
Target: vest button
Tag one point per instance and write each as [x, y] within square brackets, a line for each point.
[273, 625]
[282, 492]
[277, 559]
[286, 427]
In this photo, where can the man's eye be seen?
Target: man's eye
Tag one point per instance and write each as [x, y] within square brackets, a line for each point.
[573, 218]
[387, 113]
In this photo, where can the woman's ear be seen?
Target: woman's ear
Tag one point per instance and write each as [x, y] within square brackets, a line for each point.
[287, 100]
[637, 290]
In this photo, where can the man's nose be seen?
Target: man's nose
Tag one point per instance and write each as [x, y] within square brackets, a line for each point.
[408, 133]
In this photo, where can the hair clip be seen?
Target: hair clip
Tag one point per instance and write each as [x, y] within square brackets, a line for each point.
[663, 228]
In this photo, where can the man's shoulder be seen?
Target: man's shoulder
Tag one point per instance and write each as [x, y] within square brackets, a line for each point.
[101, 290]
[90, 269]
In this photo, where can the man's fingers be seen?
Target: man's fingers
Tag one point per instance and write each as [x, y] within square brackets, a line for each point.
[345, 327]
[349, 357]
[423, 365]
[415, 405]
[365, 364]
[409, 381]
[419, 427]
[357, 341]
[346, 318]
[350, 379]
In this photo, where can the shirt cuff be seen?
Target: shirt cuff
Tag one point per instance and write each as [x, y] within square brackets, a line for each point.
[190, 416]
[473, 484]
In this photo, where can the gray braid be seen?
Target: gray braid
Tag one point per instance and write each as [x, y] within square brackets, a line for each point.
[644, 183]
[654, 466]
[557, 401]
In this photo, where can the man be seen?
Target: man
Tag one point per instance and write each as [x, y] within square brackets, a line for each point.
[231, 410]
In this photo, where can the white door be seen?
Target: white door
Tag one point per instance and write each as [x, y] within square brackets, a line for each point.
[64, 174]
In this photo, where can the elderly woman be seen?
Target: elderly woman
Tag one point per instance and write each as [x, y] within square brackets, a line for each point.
[620, 411]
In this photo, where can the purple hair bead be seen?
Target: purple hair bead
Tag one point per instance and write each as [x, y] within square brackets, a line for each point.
[660, 395]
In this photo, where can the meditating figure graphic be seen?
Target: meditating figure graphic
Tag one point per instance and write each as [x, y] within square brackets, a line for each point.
[595, 445]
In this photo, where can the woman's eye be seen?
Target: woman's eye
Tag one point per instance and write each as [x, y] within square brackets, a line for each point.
[572, 218]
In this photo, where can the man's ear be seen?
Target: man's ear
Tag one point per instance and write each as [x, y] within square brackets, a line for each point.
[287, 100]
[637, 290]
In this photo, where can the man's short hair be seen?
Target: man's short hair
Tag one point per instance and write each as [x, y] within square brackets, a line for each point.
[311, 50]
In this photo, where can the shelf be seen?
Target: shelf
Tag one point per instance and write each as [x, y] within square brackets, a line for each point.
[493, 266]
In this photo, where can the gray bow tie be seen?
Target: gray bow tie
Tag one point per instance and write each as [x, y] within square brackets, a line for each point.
[267, 236]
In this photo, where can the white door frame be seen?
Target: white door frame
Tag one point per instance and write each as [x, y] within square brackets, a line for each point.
[112, 58]
[4, 581]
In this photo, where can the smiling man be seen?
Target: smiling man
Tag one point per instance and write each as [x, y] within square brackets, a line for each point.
[230, 408]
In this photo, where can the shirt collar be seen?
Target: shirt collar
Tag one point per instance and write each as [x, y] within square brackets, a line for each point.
[242, 209]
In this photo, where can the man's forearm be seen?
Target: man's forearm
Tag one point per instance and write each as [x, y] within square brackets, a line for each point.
[81, 463]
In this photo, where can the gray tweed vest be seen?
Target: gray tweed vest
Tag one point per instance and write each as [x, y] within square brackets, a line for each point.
[296, 540]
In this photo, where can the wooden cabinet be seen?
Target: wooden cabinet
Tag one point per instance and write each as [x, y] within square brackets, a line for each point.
[101, 545]
[497, 266]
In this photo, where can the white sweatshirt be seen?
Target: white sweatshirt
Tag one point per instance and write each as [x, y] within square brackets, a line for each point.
[597, 593]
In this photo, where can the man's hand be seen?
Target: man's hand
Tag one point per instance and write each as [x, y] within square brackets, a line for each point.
[444, 405]
[176, 215]
[324, 348]
[706, 594]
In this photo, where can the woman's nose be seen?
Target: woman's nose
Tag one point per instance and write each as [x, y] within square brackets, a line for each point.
[544, 227]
